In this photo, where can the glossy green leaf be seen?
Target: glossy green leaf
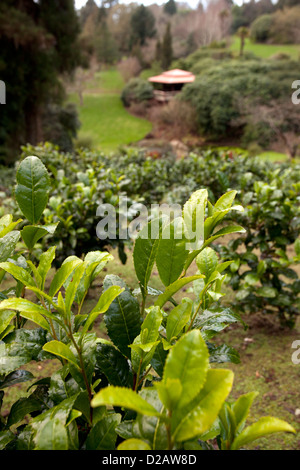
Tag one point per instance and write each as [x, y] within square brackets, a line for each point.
[103, 435]
[20, 347]
[5, 438]
[188, 362]
[52, 436]
[151, 324]
[94, 262]
[113, 365]
[22, 408]
[225, 231]
[241, 408]
[211, 322]
[62, 350]
[33, 184]
[266, 291]
[62, 414]
[36, 318]
[16, 377]
[133, 444]
[169, 391]
[175, 287]
[220, 233]
[123, 321]
[88, 345]
[102, 306]
[7, 331]
[8, 244]
[145, 343]
[18, 273]
[214, 220]
[31, 234]
[263, 427]
[9, 228]
[200, 415]
[223, 353]
[144, 253]
[171, 252]
[73, 286]
[45, 263]
[159, 358]
[193, 216]
[27, 307]
[225, 201]
[62, 274]
[150, 429]
[124, 397]
[207, 262]
[5, 318]
[177, 319]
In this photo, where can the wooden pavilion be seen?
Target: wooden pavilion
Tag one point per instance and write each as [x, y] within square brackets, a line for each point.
[169, 83]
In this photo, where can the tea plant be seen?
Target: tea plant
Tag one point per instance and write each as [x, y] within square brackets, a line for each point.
[155, 364]
[269, 250]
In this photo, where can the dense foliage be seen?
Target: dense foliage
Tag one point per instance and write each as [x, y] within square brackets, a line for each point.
[36, 44]
[137, 91]
[262, 272]
[103, 394]
[269, 192]
[228, 91]
[282, 27]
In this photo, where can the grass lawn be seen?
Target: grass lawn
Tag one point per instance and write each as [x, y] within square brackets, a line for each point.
[274, 156]
[105, 123]
[266, 50]
[107, 80]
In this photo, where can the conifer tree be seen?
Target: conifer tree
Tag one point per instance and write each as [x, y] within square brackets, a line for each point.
[167, 48]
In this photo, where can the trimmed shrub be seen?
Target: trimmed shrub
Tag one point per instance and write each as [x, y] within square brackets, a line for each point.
[137, 91]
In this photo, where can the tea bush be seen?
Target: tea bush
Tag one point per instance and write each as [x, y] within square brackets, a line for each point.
[269, 192]
[150, 385]
[263, 271]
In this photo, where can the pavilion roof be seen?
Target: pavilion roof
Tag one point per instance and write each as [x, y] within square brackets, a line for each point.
[173, 76]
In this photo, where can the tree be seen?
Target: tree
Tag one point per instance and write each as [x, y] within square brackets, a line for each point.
[242, 33]
[260, 28]
[142, 26]
[158, 51]
[285, 27]
[60, 19]
[118, 22]
[38, 40]
[167, 49]
[245, 14]
[287, 3]
[87, 10]
[225, 19]
[170, 7]
[129, 67]
[105, 45]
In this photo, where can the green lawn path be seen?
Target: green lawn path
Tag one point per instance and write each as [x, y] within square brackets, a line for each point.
[104, 120]
[266, 50]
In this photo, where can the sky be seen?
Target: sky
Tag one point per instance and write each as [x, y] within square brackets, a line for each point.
[192, 3]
